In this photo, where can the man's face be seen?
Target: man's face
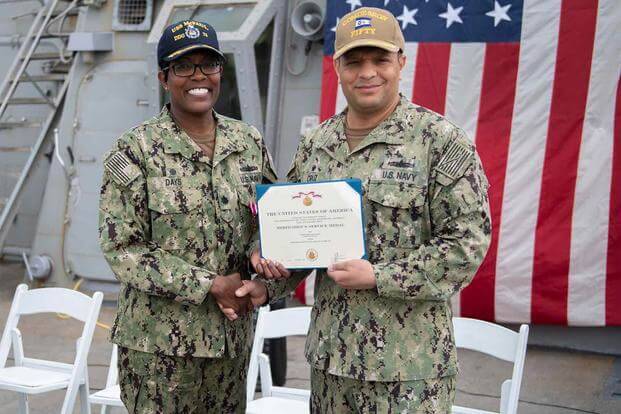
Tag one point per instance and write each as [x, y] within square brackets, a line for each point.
[369, 77]
[193, 93]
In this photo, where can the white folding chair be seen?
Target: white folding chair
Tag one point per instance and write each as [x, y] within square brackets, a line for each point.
[111, 395]
[274, 400]
[35, 376]
[499, 342]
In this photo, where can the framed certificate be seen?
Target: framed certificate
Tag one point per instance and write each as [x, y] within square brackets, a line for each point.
[311, 225]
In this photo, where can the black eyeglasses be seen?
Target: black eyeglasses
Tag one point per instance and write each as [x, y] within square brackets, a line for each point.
[187, 69]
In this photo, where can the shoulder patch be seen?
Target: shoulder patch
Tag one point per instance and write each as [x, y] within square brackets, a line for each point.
[454, 160]
[121, 169]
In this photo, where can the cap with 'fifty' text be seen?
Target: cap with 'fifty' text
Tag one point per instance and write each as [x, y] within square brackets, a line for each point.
[368, 26]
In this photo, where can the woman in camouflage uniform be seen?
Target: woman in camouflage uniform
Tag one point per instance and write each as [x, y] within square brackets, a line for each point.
[175, 227]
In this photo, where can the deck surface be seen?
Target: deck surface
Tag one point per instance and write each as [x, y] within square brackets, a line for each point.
[555, 381]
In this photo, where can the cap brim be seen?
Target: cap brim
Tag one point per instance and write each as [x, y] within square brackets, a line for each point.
[178, 53]
[365, 43]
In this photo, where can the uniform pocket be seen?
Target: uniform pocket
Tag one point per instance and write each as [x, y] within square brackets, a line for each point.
[132, 390]
[159, 383]
[228, 202]
[398, 211]
[396, 195]
[178, 374]
[176, 214]
[247, 194]
[134, 370]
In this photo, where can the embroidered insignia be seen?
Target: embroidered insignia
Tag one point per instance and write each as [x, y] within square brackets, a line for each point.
[397, 169]
[121, 169]
[248, 168]
[192, 32]
[454, 159]
[251, 177]
[399, 162]
[362, 22]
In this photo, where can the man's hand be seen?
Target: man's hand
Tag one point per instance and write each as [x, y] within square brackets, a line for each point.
[223, 290]
[353, 274]
[253, 290]
[267, 268]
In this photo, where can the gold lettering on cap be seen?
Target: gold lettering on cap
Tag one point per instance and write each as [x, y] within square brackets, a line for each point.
[179, 36]
[366, 13]
[366, 30]
[188, 23]
[195, 23]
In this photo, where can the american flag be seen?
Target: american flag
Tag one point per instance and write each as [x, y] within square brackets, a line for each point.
[535, 83]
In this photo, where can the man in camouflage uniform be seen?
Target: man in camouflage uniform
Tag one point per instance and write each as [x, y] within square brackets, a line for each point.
[381, 338]
[175, 226]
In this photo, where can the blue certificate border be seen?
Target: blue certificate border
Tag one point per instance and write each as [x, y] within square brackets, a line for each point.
[354, 183]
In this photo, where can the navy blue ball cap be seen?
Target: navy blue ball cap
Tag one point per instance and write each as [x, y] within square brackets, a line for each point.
[183, 37]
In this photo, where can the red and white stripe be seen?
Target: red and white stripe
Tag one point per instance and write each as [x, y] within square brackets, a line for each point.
[546, 119]
[613, 265]
[592, 214]
[525, 161]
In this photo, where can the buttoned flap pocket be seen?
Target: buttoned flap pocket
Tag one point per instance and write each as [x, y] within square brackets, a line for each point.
[169, 195]
[247, 194]
[228, 197]
[137, 362]
[176, 216]
[396, 195]
[246, 197]
[395, 214]
[178, 373]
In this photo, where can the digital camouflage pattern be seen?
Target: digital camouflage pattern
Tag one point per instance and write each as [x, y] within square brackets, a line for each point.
[427, 230]
[170, 220]
[154, 384]
[331, 394]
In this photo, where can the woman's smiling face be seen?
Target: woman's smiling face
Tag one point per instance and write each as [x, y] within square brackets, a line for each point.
[197, 93]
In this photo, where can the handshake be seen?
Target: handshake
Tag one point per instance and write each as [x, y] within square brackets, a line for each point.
[236, 297]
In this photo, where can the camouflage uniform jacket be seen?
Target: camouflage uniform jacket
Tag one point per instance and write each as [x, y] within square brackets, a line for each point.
[427, 229]
[170, 220]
